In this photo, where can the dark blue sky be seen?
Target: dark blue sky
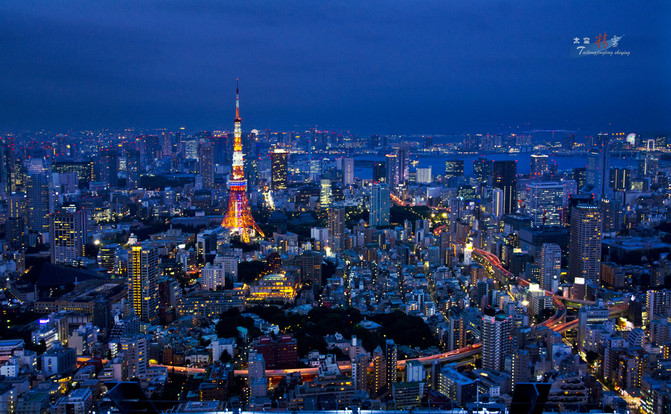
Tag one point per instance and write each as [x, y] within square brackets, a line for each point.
[369, 66]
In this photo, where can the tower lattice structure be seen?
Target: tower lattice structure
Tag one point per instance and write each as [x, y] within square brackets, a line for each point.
[238, 217]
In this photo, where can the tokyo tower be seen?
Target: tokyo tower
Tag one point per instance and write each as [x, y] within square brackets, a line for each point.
[238, 217]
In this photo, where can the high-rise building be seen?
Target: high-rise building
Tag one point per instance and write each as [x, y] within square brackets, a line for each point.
[598, 170]
[453, 169]
[143, 281]
[206, 161]
[325, 198]
[37, 197]
[379, 205]
[505, 178]
[585, 243]
[424, 175]
[133, 168]
[68, 236]
[379, 370]
[360, 371]
[278, 169]
[391, 361]
[588, 315]
[392, 170]
[348, 170]
[379, 171]
[545, 202]
[239, 219]
[402, 156]
[580, 177]
[550, 266]
[136, 356]
[337, 229]
[109, 166]
[496, 340]
[497, 203]
[15, 233]
[482, 170]
[620, 179]
[539, 165]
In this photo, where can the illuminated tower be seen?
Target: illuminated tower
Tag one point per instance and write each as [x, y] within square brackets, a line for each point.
[238, 216]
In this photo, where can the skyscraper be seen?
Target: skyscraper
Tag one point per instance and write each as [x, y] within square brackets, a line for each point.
[392, 170]
[539, 165]
[545, 201]
[325, 198]
[133, 168]
[380, 171]
[585, 243]
[402, 156]
[453, 169]
[37, 197]
[496, 340]
[206, 161]
[497, 203]
[337, 228]
[109, 166]
[598, 170]
[550, 266]
[136, 355]
[348, 170]
[379, 205]
[505, 178]
[482, 170]
[278, 169]
[143, 281]
[391, 360]
[68, 236]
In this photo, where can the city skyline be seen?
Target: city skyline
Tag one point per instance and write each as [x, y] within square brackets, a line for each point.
[371, 68]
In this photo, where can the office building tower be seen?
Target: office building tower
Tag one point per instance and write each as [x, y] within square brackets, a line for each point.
[133, 168]
[278, 169]
[336, 229]
[135, 355]
[598, 170]
[379, 205]
[456, 335]
[37, 197]
[620, 179]
[580, 177]
[585, 243]
[424, 175]
[456, 386]
[68, 236]
[143, 281]
[497, 203]
[392, 170]
[505, 178]
[380, 171]
[402, 157]
[482, 170]
[539, 165]
[496, 342]
[206, 161]
[109, 166]
[545, 201]
[325, 198]
[453, 170]
[550, 266]
[391, 361]
[15, 233]
[348, 171]
[238, 219]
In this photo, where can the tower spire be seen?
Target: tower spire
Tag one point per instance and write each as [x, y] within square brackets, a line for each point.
[237, 100]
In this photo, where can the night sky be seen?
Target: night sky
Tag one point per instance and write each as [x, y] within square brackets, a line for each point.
[368, 66]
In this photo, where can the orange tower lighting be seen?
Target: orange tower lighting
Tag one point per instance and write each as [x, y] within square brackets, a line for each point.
[238, 217]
